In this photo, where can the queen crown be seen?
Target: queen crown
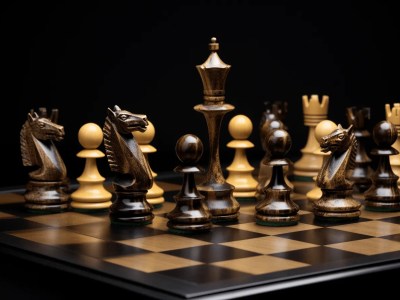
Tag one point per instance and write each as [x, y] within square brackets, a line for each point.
[213, 73]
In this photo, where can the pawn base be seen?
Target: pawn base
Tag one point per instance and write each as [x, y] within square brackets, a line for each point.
[188, 228]
[251, 194]
[276, 221]
[382, 206]
[156, 201]
[46, 196]
[85, 206]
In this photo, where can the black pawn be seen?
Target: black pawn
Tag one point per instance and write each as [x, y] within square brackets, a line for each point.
[384, 194]
[361, 174]
[190, 214]
[277, 209]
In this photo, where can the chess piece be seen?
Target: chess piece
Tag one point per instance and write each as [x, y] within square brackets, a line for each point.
[132, 172]
[361, 174]
[277, 209]
[240, 172]
[383, 194]
[218, 193]
[45, 189]
[155, 194]
[309, 164]
[336, 203]
[393, 116]
[190, 214]
[91, 194]
[274, 110]
[265, 170]
[322, 129]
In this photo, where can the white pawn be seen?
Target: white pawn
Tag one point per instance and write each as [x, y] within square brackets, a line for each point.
[323, 128]
[155, 194]
[91, 194]
[240, 171]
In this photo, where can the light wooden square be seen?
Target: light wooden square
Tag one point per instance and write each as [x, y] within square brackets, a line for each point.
[372, 228]
[273, 230]
[4, 215]
[164, 242]
[152, 262]
[370, 246]
[64, 219]
[53, 236]
[376, 215]
[261, 264]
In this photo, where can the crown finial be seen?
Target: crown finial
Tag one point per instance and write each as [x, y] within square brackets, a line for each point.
[213, 73]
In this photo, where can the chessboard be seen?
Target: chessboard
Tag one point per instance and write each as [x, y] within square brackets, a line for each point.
[231, 261]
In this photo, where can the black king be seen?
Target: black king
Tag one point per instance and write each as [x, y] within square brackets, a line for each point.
[217, 192]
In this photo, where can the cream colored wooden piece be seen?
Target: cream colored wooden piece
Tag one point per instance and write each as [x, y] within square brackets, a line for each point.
[91, 193]
[393, 116]
[240, 172]
[314, 112]
[154, 195]
[323, 128]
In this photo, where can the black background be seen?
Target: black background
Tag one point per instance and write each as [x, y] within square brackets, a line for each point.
[82, 58]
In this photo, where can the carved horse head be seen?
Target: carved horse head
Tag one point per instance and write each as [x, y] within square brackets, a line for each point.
[44, 129]
[126, 122]
[339, 140]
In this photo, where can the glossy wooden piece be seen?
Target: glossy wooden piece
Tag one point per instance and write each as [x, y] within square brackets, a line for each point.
[361, 174]
[190, 214]
[337, 202]
[393, 116]
[240, 171]
[91, 193]
[384, 194]
[218, 193]
[277, 209]
[45, 191]
[133, 176]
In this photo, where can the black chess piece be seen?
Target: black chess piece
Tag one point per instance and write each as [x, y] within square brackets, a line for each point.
[273, 110]
[384, 194]
[277, 209]
[361, 173]
[190, 214]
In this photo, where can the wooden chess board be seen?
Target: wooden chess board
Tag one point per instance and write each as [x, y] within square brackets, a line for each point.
[230, 261]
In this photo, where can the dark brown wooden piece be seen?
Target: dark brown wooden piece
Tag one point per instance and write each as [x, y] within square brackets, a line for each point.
[218, 193]
[273, 110]
[361, 174]
[45, 191]
[384, 194]
[277, 209]
[190, 214]
[132, 173]
[265, 170]
[337, 203]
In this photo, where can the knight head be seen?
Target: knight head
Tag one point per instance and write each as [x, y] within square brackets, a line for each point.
[339, 140]
[44, 129]
[126, 122]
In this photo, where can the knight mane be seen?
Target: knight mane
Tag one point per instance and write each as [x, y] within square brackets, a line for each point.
[27, 146]
[353, 144]
[108, 145]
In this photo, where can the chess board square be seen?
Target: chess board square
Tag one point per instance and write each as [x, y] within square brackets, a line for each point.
[203, 274]
[211, 253]
[164, 242]
[323, 236]
[261, 264]
[393, 237]
[102, 249]
[152, 262]
[226, 234]
[4, 215]
[319, 255]
[394, 220]
[248, 209]
[304, 204]
[370, 246]
[246, 218]
[310, 219]
[371, 228]
[8, 224]
[269, 244]
[11, 198]
[376, 215]
[64, 219]
[108, 231]
[159, 223]
[165, 208]
[253, 227]
[53, 236]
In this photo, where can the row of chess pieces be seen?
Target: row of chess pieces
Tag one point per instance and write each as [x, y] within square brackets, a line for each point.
[345, 168]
